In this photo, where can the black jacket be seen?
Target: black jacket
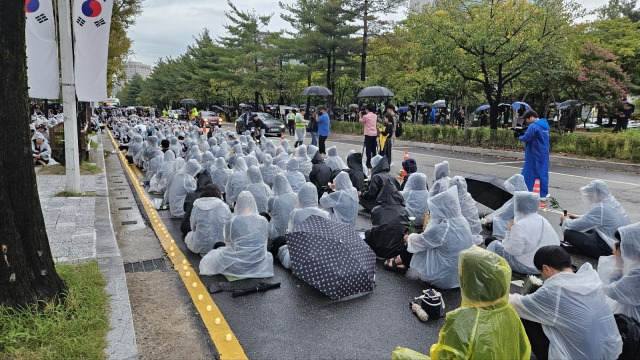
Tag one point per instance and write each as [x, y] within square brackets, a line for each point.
[390, 222]
[380, 174]
[320, 174]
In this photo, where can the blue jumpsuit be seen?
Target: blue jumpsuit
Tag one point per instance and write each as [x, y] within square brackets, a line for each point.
[536, 155]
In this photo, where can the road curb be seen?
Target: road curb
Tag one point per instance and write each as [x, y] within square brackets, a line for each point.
[515, 155]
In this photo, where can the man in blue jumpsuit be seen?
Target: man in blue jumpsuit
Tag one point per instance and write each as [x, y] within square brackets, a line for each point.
[536, 152]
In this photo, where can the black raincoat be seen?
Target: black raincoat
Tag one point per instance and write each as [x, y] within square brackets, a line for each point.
[379, 176]
[320, 174]
[355, 171]
[390, 222]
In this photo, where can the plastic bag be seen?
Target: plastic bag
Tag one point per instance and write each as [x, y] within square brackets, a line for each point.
[401, 353]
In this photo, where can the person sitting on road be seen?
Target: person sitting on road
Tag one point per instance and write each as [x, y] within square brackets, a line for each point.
[415, 196]
[209, 215]
[389, 221]
[268, 170]
[434, 253]
[154, 165]
[236, 182]
[592, 233]
[236, 151]
[261, 192]
[40, 149]
[294, 176]
[485, 326]
[355, 170]
[333, 160]
[527, 233]
[220, 174]
[620, 273]
[468, 208]
[281, 159]
[320, 174]
[440, 174]
[342, 203]
[409, 167]
[280, 206]
[158, 183]
[182, 184]
[504, 215]
[379, 176]
[304, 162]
[568, 317]
[244, 253]
[135, 146]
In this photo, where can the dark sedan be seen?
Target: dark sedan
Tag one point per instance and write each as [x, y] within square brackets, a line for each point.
[274, 127]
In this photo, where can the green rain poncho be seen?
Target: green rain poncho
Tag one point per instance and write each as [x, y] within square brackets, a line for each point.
[485, 326]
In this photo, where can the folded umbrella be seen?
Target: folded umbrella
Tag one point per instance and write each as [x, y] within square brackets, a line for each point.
[250, 290]
[331, 257]
[488, 190]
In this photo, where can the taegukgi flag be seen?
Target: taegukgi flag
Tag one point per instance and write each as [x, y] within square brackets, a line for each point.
[42, 50]
[91, 24]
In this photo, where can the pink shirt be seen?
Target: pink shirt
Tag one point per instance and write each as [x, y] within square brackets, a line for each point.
[369, 120]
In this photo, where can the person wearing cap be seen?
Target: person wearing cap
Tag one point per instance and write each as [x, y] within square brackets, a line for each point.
[410, 166]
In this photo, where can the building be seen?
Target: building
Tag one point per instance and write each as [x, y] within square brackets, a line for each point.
[136, 67]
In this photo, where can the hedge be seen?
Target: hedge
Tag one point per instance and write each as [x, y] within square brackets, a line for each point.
[621, 146]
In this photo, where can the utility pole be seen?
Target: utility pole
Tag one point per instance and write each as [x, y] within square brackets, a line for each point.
[71, 156]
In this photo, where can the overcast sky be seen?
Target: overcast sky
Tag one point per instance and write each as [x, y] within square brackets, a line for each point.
[166, 27]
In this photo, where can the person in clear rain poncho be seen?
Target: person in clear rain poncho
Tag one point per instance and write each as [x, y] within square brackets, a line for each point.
[236, 182]
[175, 146]
[468, 208]
[208, 218]
[485, 326]
[306, 205]
[379, 176]
[260, 191]
[503, 216]
[182, 184]
[620, 273]
[193, 153]
[236, 151]
[528, 233]
[294, 176]
[154, 164]
[415, 196]
[343, 202]
[245, 252]
[220, 173]
[251, 161]
[592, 233]
[568, 316]
[434, 253]
[282, 158]
[304, 162]
[441, 178]
[268, 170]
[334, 161]
[280, 206]
[135, 147]
[158, 182]
[178, 164]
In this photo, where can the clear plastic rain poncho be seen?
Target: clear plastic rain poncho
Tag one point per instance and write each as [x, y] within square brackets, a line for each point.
[209, 215]
[236, 151]
[178, 164]
[294, 176]
[270, 148]
[438, 187]
[503, 216]
[311, 151]
[282, 158]
[343, 202]
[208, 161]
[251, 161]
[154, 164]
[285, 144]
[441, 171]
[268, 170]
[468, 208]
[135, 146]
[150, 150]
[415, 195]
[237, 181]
[334, 161]
[484, 326]
[158, 182]
[574, 315]
[621, 275]
[182, 184]
[306, 205]
[436, 249]
[246, 254]
[193, 153]
[175, 146]
[261, 192]
[280, 206]
[220, 173]
[604, 215]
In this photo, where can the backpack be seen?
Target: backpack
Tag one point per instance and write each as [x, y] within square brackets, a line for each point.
[398, 128]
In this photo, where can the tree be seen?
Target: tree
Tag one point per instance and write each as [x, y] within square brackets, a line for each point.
[491, 43]
[27, 271]
[134, 88]
[619, 8]
[122, 18]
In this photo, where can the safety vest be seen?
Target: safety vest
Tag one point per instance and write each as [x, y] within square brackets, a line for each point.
[291, 116]
[300, 122]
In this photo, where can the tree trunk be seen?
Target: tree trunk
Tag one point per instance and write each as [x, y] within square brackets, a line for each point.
[27, 271]
[363, 61]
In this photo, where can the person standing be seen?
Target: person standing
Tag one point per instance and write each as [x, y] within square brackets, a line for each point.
[386, 137]
[300, 128]
[323, 127]
[313, 128]
[291, 121]
[369, 120]
[483, 118]
[536, 153]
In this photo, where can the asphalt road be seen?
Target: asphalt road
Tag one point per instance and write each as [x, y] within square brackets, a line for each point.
[298, 322]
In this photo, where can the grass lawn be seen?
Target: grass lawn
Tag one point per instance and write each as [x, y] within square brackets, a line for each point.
[86, 168]
[75, 329]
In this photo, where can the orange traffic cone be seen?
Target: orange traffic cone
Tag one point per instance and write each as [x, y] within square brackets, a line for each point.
[406, 156]
[536, 189]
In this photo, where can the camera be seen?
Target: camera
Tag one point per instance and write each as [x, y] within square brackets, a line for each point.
[519, 131]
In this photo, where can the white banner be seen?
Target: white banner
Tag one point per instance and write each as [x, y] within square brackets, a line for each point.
[91, 23]
[42, 50]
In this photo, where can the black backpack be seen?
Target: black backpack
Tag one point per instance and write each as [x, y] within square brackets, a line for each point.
[398, 128]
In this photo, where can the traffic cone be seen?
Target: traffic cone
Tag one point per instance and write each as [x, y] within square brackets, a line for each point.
[406, 156]
[536, 189]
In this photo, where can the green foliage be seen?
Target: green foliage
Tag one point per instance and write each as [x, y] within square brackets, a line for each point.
[73, 329]
[123, 16]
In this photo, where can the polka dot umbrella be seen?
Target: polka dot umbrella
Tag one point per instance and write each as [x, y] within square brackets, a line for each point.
[331, 257]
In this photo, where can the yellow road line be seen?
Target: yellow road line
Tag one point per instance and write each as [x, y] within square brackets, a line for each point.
[223, 338]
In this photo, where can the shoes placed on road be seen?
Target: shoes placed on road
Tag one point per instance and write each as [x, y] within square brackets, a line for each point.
[544, 199]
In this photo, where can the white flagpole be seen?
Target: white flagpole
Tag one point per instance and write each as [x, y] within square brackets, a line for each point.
[69, 99]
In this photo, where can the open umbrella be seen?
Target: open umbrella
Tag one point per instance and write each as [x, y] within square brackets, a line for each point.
[375, 92]
[316, 91]
[568, 103]
[440, 104]
[187, 101]
[331, 257]
[216, 107]
[516, 105]
[504, 105]
[483, 107]
[403, 109]
[353, 106]
[488, 190]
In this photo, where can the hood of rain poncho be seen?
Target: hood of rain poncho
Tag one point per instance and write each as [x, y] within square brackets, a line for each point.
[445, 205]
[281, 185]
[380, 164]
[137, 139]
[333, 160]
[212, 141]
[152, 140]
[354, 161]
[251, 161]
[245, 205]
[267, 159]
[317, 159]
[515, 183]
[191, 168]
[312, 150]
[485, 278]
[441, 171]
[240, 165]
[302, 151]
[270, 148]
[595, 192]
[38, 135]
[292, 165]
[343, 202]
[342, 182]
[194, 153]
[237, 149]
[253, 175]
[416, 182]
[415, 195]
[307, 196]
[208, 156]
[169, 156]
[389, 195]
[630, 244]
[438, 187]
[524, 204]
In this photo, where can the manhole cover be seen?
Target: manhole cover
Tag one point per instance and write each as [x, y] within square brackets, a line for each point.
[145, 266]
[125, 208]
[132, 222]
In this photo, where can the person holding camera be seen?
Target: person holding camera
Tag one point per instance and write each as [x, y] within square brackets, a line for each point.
[536, 152]
[369, 119]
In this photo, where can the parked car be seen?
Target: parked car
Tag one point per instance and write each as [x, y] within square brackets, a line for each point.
[174, 114]
[211, 119]
[274, 127]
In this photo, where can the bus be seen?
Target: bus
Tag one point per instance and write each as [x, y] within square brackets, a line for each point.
[112, 102]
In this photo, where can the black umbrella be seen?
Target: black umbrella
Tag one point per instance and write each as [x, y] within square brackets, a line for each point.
[375, 92]
[316, 91]
[331, 257]
[216, 107]
[488, 190]
[188, 101]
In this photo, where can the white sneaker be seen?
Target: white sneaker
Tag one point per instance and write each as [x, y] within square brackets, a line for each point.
[544, 199]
